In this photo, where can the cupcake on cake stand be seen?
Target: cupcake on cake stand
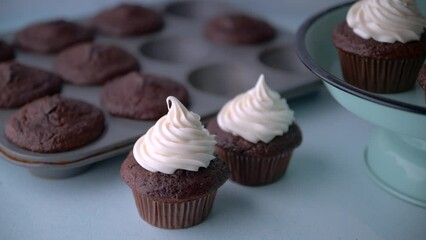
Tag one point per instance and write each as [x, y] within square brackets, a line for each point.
[396, 153]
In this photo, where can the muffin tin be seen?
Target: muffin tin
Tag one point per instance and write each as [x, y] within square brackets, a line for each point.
[213, 73]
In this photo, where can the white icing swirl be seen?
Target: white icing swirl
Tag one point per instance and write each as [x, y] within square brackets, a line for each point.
[386, 20]
[259, 114]
[177, 141]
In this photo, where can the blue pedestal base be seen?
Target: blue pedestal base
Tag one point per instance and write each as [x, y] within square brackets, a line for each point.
[398, 164]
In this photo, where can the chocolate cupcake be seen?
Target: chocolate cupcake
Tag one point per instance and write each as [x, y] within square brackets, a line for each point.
[238, 29]
[256, 134]
[381, 46]
[94, 63]
[128, 20]
[172, 171]
[54, 124]
[7, 52]
[141, 96]
[422, 77]
[20, 84]
[52, 36]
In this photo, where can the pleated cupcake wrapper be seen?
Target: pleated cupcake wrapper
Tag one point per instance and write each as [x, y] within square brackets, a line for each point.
[380, 75]
[174, 214]
[255, 171]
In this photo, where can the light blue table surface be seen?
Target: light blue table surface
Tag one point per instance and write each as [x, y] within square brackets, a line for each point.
[325, 194]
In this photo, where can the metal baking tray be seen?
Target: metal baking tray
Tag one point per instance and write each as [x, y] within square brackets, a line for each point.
[213, 73]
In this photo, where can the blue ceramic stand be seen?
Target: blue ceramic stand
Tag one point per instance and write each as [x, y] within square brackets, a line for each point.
[398, 164]
[396, 153]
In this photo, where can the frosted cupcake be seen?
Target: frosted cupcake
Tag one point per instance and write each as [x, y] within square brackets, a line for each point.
[172, 171]
[256, 134]
[381, 45]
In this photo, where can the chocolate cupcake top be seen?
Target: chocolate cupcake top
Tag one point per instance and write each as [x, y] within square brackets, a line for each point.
[94, 63]
[264, 113]
[239, 146]
[6, 52]
[54, 124]
[127, 20]
[20, 84]
[345, 38]
[177, 141]
[239, 29]
[52, 36]
[141, 96]
[182, 184]
[387, 21]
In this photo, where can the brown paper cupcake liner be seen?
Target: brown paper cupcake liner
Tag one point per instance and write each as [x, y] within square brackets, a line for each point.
[422, 78]
[255, 171]
[174, 214]
[380, 75]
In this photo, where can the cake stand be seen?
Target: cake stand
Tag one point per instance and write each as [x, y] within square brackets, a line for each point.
[395, 156]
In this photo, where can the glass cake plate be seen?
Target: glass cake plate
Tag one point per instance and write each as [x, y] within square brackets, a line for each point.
[396, 153]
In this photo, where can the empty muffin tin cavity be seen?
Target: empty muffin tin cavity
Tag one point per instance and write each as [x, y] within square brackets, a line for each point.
[175, 49]
[223, 79]
[282, 58]
[197, 9]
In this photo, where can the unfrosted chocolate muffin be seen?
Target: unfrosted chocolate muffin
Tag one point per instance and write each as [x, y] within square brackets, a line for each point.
[141, 96]
[52, 36]
[7, 52]
[20, 84]
[128, 20]
[239, 29]
[54, 124]
[94, 63]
